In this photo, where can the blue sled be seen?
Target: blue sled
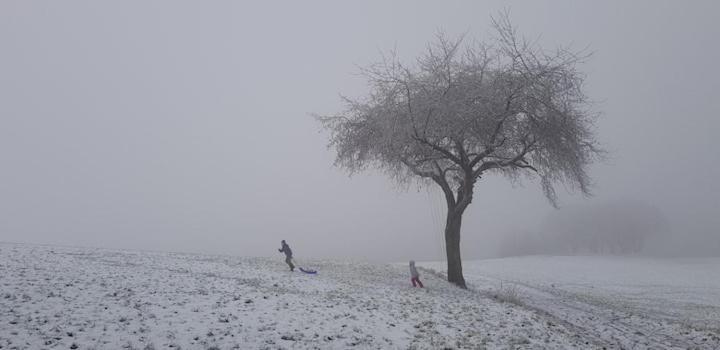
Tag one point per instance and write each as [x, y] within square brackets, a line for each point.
[312, 272]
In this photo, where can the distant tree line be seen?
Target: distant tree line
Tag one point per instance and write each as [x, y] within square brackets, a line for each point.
[616, 228]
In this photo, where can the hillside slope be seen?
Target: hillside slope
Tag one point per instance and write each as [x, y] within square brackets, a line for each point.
[618, 302]
[82, 298]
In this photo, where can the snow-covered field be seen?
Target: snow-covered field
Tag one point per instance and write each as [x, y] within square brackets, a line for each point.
[84, 298]
[622, 302]
[81, 298]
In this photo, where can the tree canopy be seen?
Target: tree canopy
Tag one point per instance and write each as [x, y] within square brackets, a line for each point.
[504, 106]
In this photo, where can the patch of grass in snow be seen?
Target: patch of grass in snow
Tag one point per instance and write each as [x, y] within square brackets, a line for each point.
[508, 293]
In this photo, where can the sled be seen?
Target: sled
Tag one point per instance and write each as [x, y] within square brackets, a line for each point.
[308, 271]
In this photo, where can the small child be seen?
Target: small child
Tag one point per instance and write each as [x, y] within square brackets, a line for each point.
[415, 276]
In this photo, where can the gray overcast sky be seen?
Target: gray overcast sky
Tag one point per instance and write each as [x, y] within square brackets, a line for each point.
[174, 125]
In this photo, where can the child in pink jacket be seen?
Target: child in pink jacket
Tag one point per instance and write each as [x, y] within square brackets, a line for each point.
[414, 275]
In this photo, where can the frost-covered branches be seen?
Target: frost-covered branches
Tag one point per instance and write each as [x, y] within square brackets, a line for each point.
[464, 109]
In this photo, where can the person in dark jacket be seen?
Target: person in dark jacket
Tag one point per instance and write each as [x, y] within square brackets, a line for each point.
[288, 254]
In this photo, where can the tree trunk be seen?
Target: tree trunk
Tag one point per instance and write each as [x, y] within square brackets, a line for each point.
[452, 248]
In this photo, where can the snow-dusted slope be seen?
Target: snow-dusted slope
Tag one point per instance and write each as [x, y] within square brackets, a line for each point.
[67, 298]
[81, 298]
[621, 302]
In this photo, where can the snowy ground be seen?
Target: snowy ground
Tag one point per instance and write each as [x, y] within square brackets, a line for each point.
[614, 301]
[82, 298]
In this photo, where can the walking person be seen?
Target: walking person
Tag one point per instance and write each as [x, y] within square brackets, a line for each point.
[414, 275]
[288, 254]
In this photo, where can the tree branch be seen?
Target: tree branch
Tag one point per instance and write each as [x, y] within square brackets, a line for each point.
[442, 182]
[498, 127]
[435, 147]
[414, 168]
[517, 161]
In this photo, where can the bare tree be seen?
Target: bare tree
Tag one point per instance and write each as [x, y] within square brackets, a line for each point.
[466, 110]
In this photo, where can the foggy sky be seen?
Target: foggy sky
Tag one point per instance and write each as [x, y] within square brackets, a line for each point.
[185, 126]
